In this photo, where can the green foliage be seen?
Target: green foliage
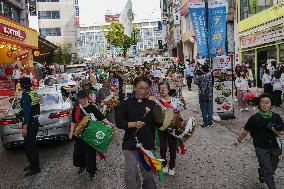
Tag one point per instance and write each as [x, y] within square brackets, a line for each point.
[114, 34]
[62, 54]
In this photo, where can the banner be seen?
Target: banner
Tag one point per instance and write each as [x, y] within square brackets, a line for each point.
[197, 13]
[223, 85]
[160, 27]
[126, 18]
[217, 28]
[165, 20]
[176, 16]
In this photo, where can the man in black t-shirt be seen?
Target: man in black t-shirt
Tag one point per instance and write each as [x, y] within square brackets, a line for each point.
[265, 128]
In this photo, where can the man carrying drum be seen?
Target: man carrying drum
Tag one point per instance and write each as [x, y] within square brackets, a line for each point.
[84, 156]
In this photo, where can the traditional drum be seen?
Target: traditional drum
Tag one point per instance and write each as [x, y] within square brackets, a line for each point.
[81, 126]
[182, 129]
[108, 104]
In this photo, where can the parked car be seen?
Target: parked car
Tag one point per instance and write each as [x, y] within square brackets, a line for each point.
[76, 70]
[65, 81]
[54, 118]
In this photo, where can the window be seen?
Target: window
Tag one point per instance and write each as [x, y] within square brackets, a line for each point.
[48, 0]
[50, 31]
[48, 15]
[251, 7]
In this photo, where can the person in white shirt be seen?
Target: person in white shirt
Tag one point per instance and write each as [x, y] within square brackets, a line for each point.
[16, 75]
[242, 88]
[277, 89]
[266, 82]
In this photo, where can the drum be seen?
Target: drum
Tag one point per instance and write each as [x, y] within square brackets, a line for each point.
[108, 104]
[182, 129]
[81, 126]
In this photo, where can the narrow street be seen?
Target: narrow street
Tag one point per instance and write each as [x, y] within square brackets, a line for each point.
[210, 162]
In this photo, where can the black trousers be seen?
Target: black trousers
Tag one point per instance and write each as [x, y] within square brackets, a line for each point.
[277, 94]
[84, 156]
[189, 81]
[268, 88]
[268, 160]
[165, 140]
[30, 144]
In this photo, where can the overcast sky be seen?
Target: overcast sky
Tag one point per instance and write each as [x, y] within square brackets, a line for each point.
[93, 11]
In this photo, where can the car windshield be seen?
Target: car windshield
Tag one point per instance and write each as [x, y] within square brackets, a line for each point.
[49, 99]
[78, 69]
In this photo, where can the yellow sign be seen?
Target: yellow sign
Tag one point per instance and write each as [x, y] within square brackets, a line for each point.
[18, 34]
[267, 15]
[36, 53]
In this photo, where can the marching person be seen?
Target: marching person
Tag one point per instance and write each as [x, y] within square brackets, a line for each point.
[87, 87]
[104, 92]
[30, 104]
[135, 117]
[154, 90]
[265, 127]
[166, 139]
[84, 156]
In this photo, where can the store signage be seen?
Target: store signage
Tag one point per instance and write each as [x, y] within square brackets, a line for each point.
[32, 7]
[111, 18]
[36, 53]
[275, 12]
[223, 85]
[12, 32]
[77, 10]
[265, 36]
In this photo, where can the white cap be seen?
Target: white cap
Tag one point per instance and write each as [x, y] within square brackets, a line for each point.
[157, 73]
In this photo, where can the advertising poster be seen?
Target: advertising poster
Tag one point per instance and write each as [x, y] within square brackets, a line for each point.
[217, 28]
[223, 85]
[197, 13]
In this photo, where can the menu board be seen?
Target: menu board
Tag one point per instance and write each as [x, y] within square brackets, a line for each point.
[223, 85]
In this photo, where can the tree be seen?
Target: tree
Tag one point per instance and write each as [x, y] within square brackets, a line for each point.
[62, 54]
[114, 34]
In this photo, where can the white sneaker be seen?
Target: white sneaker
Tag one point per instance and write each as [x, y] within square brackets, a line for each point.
[246, 109]
[236, 100]
[241, 109]
[165, 169]
[254, 108]
[172, 172]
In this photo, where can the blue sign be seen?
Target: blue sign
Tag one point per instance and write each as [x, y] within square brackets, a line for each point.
[217, 28]
[76, 10]
[198, 18]
[159, 25]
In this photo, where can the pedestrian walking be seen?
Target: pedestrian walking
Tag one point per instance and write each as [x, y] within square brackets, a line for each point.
[84, 156]
[135, 117]
[16, 75]
[188, 74]
[154, 90]
[242, 87]
[266, 82]
[30, 105]
[205, 93]
[277, 89]
[265, 127]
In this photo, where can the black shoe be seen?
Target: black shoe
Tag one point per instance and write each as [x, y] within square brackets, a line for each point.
[27, 168]
[81, 171]
[92, 176]
[260, 176]
[32, 172]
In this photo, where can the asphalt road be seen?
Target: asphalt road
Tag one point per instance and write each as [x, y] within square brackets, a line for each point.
[210, 162]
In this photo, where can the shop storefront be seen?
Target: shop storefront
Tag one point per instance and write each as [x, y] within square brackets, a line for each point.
[17, 44]
[262, 38]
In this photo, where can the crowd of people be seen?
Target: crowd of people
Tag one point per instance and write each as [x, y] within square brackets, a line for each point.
[154, 88]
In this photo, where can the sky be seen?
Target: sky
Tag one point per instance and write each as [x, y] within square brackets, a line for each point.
[93, 11]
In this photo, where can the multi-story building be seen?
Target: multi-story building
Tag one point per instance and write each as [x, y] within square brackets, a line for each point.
[14, 10]
[259, 35]
[93, 42]
[56, 20]
[185, 47]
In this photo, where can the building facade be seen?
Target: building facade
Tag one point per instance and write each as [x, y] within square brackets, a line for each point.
[57, 20]
[94, 44]
[14, 10]
[259, 35]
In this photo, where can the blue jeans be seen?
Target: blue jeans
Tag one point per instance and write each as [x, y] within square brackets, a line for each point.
[207, 111]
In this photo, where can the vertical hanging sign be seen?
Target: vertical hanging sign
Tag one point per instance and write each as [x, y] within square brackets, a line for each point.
[77, 14]
[197, 13]
[165, 20]
[176, 16]
[217, 28]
